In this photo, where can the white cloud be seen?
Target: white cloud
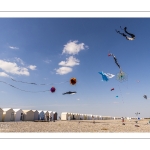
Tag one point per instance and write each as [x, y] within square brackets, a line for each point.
[19, 60]
[63, 70]
[12, 47]
[71, 61]
[73, 47]
[32, 67]
[47, 61]
[13, 68]
[3, 74]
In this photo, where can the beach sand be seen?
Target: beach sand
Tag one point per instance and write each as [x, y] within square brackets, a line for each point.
[109, 126]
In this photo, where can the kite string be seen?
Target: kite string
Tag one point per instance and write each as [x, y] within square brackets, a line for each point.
[36, 83]
[23, 90]
[121, 93]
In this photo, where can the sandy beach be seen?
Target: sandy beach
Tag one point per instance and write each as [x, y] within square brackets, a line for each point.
[109, 126]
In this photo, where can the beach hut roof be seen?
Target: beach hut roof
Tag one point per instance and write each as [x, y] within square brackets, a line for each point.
[64, 113]
[6, 109]
[45, 111]
[26, 111]
[40, 110]
[34, 110]
[50, 111]
[16, 110]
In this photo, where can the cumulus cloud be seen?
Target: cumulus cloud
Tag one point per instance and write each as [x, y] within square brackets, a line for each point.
[3, 74]
[63, 70]
[19, 60]
[12, 47]
[71, 61]
[73, 48]
[32, 67]
[12, 68]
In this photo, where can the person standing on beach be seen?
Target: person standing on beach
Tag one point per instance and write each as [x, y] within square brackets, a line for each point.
[122, 119]
[50, 118]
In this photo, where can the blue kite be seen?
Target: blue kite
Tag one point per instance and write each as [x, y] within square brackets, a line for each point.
[104, 77]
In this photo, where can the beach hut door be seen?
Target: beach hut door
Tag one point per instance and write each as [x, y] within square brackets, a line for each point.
[21, 117]
[12, 117]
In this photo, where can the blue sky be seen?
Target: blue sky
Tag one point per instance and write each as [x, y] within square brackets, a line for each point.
[53, 50]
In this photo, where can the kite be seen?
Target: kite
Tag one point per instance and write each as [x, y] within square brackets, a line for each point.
[73, 81]
[112, 89]
[128, 38]
[121, 76]
[53, 89]
[145, 96]
[109, 75]
[117, 96]
[69, 93]
[106, 76]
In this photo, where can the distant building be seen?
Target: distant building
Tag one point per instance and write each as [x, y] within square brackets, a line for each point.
[41, 115]
[28, 115]
[18, 114]
[36, 114]
[1, 114]
[8, 115]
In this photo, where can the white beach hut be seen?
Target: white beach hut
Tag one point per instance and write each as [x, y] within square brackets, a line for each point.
[46, 115]
[69, 116]
[106, 117]
[18, 114]
[79, 116]
[1, 114]
[82, 116]
[28, 115]
[50, 115]
[100, 117]
[89, 116]
[41, 115]
[64, 116]
[8, 114]
[95, 116]
[36, 114]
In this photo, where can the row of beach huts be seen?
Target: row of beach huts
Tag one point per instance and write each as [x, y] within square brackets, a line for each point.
[10, 114]
[78, 116]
